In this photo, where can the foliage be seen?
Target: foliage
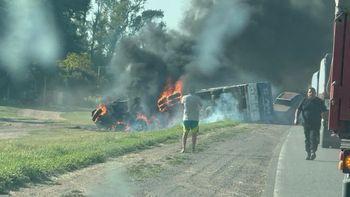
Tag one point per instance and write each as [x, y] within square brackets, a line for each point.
[114, 20]
[89, 31]
[39, 78]
[76, 70]
[70, 17]
[150, 15]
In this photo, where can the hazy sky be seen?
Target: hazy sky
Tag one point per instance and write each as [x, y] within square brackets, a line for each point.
[173, 10]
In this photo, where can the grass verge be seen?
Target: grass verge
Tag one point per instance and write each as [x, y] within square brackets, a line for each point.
[45, 153]
[8, 112]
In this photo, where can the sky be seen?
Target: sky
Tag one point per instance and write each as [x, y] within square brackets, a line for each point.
[173, 10]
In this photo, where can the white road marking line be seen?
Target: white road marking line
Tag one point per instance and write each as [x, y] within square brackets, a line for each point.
[278, 178]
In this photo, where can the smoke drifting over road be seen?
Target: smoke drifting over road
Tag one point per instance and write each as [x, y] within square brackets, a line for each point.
[236, 41]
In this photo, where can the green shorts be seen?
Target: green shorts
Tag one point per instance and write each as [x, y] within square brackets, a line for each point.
[190, 125]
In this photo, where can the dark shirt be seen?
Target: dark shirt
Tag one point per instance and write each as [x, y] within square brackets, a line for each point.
[311, 110]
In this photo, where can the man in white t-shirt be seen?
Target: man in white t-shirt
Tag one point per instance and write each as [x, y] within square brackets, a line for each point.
[192, 105]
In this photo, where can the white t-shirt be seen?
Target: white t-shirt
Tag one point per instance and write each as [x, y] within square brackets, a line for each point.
[192, 105]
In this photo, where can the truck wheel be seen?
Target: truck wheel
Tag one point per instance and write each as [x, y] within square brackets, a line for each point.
[327, 140]
[324, 144]
[324, 138]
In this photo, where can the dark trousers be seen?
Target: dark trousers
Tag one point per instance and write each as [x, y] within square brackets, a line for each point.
[312, 138]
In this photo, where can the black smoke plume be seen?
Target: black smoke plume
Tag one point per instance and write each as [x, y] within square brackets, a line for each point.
[281, 41]
[226, 42]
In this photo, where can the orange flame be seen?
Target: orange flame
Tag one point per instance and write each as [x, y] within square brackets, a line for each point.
[170, 96]
[118, 124]
[143, 117]
[167, 90]
[178, 86]
[103, 108]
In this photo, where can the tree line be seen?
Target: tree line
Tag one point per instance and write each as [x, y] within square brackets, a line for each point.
[88, 32]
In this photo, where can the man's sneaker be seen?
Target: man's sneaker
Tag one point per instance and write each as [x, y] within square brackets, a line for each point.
[312, 156]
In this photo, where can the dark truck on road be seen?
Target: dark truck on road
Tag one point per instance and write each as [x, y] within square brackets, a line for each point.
[339, 100]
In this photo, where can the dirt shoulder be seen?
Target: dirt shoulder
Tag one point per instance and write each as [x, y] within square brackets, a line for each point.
[229, 162]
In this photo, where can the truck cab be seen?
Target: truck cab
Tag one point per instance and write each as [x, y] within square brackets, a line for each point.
[339, 97]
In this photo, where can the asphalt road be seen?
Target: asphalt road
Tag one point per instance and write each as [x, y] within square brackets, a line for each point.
[294, 176]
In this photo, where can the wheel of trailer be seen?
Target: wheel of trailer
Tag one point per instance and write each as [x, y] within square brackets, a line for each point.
[323, 142]
[139, 125]
[327, 140]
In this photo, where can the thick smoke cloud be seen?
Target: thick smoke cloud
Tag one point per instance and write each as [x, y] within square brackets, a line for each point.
[226, 42]
[223, 108]
[139, 73]
[281, 41]
[220, 23]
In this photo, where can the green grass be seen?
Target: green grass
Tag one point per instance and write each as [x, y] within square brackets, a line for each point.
[8, 112]
[80, 117]
[44, 153]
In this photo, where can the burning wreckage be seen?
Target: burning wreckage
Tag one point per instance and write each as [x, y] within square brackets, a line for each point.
[116, 116]
[251, 102]
[123, 115]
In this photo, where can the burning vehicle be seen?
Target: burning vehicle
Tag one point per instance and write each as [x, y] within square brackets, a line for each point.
[129, 115]
[117, 116]
[170, 96]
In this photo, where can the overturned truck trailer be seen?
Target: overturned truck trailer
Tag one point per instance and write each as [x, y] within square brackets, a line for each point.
[251, 102]
[118, 116]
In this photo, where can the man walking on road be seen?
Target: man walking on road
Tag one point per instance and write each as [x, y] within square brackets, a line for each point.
[312, 109]
[192, 105]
